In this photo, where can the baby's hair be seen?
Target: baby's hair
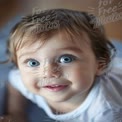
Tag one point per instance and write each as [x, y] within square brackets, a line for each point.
[42, 26]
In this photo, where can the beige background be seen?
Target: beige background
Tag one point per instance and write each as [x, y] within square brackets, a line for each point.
[9, 9]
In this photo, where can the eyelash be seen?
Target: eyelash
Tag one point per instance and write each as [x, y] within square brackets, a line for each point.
[72, 58]
[30, 59]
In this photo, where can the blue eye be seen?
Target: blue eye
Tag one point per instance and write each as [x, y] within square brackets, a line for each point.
[66, 58]
[33, 63]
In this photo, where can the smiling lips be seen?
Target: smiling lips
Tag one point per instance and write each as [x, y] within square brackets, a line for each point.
[55, 87]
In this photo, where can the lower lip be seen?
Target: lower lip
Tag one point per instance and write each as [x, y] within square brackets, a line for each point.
[56, 89]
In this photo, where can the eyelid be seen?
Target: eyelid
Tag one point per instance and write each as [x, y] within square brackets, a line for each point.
[70, 55]
[28, 59]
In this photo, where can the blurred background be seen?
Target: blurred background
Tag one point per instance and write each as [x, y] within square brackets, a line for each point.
[11, 11]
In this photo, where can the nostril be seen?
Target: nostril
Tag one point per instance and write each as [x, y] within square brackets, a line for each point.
[51, 70]
[51, 73]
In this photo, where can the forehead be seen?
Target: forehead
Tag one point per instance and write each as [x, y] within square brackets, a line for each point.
[58, 42]
[62, 37]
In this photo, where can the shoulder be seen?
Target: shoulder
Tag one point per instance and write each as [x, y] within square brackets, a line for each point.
[109, 97]
[111, 88]
[116, 69]
[111, 115]
[114, 77]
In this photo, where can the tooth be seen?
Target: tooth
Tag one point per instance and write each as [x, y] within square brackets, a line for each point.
[55, 85]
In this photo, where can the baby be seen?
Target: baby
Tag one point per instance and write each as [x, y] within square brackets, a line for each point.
[62, 60]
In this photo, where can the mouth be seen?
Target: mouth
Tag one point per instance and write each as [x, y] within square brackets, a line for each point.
[55, 87]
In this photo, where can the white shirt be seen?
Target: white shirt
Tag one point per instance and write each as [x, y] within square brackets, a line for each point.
[103, 104]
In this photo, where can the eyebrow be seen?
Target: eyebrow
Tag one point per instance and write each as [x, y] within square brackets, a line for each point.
[24, 54]
[77, 50]
[71, 49]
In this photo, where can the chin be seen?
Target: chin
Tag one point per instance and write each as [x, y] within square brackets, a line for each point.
[58, 98]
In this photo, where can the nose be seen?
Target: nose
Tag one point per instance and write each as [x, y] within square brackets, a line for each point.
[51, 71]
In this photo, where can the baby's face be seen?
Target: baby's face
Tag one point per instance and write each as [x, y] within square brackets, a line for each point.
[58, 70]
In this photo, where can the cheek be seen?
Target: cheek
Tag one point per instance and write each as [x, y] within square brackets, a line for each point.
[28, 79]
[81, 82]
[81, 76]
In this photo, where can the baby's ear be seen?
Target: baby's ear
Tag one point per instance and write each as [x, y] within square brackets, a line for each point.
[102, 65]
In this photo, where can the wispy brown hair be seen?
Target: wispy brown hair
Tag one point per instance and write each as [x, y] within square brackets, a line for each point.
[73, 23]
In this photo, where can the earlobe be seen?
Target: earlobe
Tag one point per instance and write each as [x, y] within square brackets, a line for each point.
[99, 72]
[100, 68]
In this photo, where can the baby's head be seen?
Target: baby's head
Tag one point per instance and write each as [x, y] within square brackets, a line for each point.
[72, 24]
[59, 44]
